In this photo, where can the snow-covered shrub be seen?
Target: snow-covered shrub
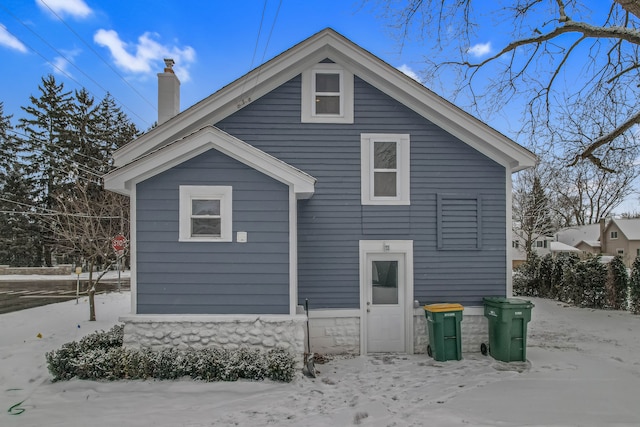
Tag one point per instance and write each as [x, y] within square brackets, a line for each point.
[100, 356]
[634, 287]
[280, 365]
[62, 362]
[595, 282]
[545, 276]
[105, 340]
[617, 284]
[526, 281]
[563, 265]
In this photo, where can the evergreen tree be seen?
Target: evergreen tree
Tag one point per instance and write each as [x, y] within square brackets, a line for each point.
[634, 287]
[617, 284]
[20, 244]
[47, 147]
[532, 217]
[545, 272]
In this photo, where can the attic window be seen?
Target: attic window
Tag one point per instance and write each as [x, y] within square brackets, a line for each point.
[205, 213]
[327, 94]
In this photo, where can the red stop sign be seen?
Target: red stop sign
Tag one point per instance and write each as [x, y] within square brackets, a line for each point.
[119, 243]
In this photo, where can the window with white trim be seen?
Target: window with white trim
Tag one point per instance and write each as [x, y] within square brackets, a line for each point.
[327, 94]
[614, 234]
[384, 169]
[205, 213]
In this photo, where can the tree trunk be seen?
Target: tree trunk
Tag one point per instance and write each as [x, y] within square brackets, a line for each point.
[91, 291]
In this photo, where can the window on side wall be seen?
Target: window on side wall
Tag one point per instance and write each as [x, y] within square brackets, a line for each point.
[327, 94]
[614, 234]
[385, 169]
[205, 213]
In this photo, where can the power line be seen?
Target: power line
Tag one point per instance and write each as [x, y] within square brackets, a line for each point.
[67, 59]
[100, 57]
[67, 74]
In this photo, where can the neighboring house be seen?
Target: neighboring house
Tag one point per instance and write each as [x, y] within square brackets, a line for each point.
[610, 238]
[542, 246]
[325, 174]
[621, 237]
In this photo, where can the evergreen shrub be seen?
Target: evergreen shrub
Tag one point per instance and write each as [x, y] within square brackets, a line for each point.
[634, 287]
[100, 356]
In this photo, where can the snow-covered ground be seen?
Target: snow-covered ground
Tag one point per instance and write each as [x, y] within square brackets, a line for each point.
[583, 370]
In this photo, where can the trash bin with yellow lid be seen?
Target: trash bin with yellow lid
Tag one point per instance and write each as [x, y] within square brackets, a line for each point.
[443, 325]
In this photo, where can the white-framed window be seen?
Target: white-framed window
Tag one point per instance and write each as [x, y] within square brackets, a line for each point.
[385, 169]
[614, 234]
[327, 94]
[205, 213]
[620, 252]
[541, 244]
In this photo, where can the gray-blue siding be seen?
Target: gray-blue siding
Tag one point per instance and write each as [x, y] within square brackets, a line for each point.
[333, 221]
[206, 278]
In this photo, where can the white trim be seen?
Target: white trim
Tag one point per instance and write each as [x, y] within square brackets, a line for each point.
[329, 44]
[403, 174]
[223, 193]
[208, 318]
[335, 313]
[120, 180]
[308, 114]
[133, 250]
[404, 247]
[293, 252]
[509, 233]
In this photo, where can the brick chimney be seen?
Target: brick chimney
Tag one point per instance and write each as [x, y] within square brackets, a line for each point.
[603, 240]
[168, 93]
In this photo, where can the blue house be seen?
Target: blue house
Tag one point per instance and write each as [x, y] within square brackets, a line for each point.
[325, 174]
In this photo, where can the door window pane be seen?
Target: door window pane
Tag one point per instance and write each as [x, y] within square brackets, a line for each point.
[384, 278]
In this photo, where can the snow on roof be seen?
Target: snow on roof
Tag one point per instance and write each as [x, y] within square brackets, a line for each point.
[574, 235]
[562, 247]
[592, 243]
[629, 227]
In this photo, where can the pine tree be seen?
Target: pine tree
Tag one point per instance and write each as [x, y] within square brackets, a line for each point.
[47, 144]
[617, 284]
[634, 287]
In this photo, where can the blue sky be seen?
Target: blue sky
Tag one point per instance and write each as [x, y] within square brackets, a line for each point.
[118, 46]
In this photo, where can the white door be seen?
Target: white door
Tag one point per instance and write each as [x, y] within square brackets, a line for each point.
[385, 302]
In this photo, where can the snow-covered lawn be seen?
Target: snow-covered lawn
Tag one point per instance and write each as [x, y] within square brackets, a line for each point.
[583, 370]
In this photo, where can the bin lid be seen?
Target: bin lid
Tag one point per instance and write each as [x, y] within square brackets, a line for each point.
[503, 301]
[438, 308]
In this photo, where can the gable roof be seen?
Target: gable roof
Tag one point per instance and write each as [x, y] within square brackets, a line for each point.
[574, 235]
[330, 44]
[122, 179]
[629, 227]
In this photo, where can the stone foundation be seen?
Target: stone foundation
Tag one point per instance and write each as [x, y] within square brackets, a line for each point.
[333, 332]
[335, 335]
[474, 330]
[266, 332]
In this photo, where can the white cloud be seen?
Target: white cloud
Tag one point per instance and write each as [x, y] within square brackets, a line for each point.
[75, 8]
[409, 72]
[60, 65]
[480, 49]
[8, 40]
[146, 55]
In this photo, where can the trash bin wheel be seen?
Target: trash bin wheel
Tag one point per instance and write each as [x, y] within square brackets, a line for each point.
[484, 349]
[429, 352]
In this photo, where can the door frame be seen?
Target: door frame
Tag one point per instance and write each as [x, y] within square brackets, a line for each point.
[401, 247]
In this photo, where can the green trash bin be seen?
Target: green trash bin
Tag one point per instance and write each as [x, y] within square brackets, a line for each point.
[443, 324]
[508, 318]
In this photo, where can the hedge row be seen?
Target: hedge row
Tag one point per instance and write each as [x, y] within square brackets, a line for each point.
[586, 283]
[100, 356]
